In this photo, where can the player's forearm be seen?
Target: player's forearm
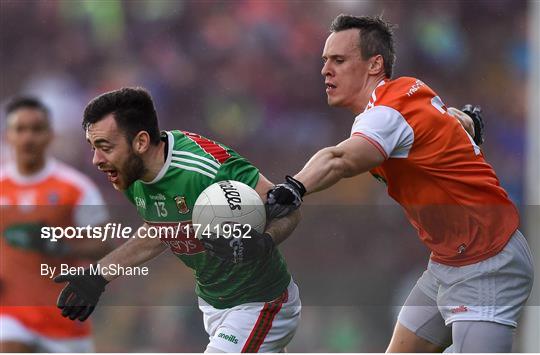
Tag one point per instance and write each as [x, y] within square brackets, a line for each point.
[88, 248]
[323, 170]
[134, 252]
[281, 228]
[464, 119]
[351, 157]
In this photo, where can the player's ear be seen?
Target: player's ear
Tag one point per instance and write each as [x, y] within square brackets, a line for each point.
[141, 142]
[376, 65]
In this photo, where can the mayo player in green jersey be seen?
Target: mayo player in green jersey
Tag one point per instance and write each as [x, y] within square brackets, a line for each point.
[249, 300]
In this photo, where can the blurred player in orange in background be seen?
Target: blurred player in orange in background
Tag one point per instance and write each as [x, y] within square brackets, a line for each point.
[480, 272]
[37, 190]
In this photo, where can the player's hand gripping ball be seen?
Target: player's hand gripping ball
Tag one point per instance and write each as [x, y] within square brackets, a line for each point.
[252, 245]
[229, 218]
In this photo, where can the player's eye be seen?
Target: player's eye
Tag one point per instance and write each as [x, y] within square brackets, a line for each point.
[340, 60]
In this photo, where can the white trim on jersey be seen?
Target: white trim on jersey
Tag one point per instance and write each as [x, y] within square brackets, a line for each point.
[14, 330]
[12, 172]
[90, 194]
[192, 155]
[165, 166]
[192, 168]
[388, 128]
[194, 162]
[371, 102]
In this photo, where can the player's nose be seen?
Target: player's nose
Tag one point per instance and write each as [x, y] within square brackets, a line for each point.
[98, 158]
[325, 71]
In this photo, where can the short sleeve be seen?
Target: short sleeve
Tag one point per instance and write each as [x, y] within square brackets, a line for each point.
[386, 129]
[239, 169]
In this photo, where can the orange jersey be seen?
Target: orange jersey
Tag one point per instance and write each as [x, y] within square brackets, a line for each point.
[55, 197]
[436, 173]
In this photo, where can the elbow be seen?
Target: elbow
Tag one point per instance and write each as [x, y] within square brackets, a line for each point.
[342, 168]
[347, 170]
[336, 162]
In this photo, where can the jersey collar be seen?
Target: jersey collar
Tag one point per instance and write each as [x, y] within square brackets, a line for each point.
[373, 98]
[43, 174]
[165, 166]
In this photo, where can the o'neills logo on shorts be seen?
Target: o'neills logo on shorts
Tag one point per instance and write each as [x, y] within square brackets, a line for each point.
[460, 309]
[230, 338]
[231, 194]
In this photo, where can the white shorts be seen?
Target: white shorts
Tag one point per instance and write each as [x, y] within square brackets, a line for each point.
[492, 290]
[253, 327]
[11, 330]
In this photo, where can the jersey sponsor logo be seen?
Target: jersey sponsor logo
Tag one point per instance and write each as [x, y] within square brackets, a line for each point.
[416, 86]
[231, 338]
[460, 309]
[231, 195]
[175, 236]
[181, 204]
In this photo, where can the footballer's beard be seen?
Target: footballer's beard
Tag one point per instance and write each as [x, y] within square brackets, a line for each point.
[132, 170]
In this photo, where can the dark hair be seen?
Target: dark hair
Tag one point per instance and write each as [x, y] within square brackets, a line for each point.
[376, 37]
[133, 111]
[27, 102]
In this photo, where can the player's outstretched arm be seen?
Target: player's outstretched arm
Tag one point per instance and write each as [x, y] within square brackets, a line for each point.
[463, 118]
[134, 252]
[329, 165]
[351, 157]
[79, 297]
[470, 117]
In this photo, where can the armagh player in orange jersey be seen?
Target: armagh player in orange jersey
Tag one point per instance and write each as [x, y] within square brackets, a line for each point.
[36, 190]
[480, 272]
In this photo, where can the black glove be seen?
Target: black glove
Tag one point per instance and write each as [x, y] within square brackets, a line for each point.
[475, 112]
[249, 246]
[80, 296]
[28, 236]
[284, 198]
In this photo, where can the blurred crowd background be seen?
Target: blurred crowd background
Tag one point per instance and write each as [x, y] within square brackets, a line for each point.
[247, 73]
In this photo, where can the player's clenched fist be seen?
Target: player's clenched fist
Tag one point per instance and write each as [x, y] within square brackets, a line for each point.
[80, 296]
[284, 198]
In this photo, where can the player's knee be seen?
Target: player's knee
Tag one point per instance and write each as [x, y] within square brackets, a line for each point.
[405, 341]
